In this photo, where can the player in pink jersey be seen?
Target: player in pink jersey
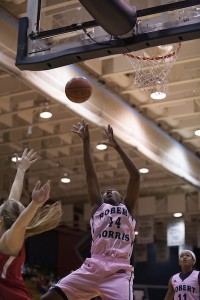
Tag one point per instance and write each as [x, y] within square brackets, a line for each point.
[15, 227]
[108, 273]
[186, 284]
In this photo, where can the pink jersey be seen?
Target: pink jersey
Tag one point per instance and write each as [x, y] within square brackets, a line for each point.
[11, 282]
[187, 289]
[112, 229]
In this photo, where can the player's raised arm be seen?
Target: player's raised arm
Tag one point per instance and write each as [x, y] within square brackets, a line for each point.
[94, 193]
[133, 187]
[13, 238]
[28, 158]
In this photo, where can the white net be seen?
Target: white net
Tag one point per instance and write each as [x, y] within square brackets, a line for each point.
[152, 71]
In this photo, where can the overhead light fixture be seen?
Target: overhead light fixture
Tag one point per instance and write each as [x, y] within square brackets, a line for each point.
[197, 132]
[101, 147]
[14, 159]
[158, 95]
[178, 215]
[46, 114]
[144, 170]
[159, 91]
[65, 179]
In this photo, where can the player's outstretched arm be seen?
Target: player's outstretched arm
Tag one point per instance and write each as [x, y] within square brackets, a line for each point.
[28, 158]
[12, 240]
[133, 187]
[94, 193]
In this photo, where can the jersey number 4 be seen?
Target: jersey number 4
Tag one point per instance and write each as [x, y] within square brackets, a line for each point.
[117, 222]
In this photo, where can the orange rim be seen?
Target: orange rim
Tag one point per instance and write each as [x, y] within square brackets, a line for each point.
[156, 57]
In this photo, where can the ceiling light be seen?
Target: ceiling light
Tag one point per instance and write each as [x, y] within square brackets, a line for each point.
[159, 91]
[144, 170]
[197, 132]
[45, 114]
[14, 159]
[101, 147]
[158, 95]
[65, 179]
[178, 215]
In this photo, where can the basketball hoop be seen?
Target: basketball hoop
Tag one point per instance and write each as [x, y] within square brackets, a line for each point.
[151, 72]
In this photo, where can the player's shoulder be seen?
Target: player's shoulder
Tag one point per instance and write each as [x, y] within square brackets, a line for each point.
[174, 277]
[196, 273]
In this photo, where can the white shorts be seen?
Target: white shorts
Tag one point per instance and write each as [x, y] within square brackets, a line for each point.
[108, 277]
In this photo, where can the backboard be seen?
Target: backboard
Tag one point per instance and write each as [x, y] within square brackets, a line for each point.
[57, 33]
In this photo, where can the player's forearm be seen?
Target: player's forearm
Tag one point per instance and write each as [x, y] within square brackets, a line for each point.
[128, 162]
[13, 239]
[88, 160]
[17, 186]
[26, 216]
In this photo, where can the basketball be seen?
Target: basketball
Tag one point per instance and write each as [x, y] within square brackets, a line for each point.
[78, 89]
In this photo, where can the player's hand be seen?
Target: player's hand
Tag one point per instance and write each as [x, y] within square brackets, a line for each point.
[27, 159]
[41, 194]
[111, 142]
[81, 129]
